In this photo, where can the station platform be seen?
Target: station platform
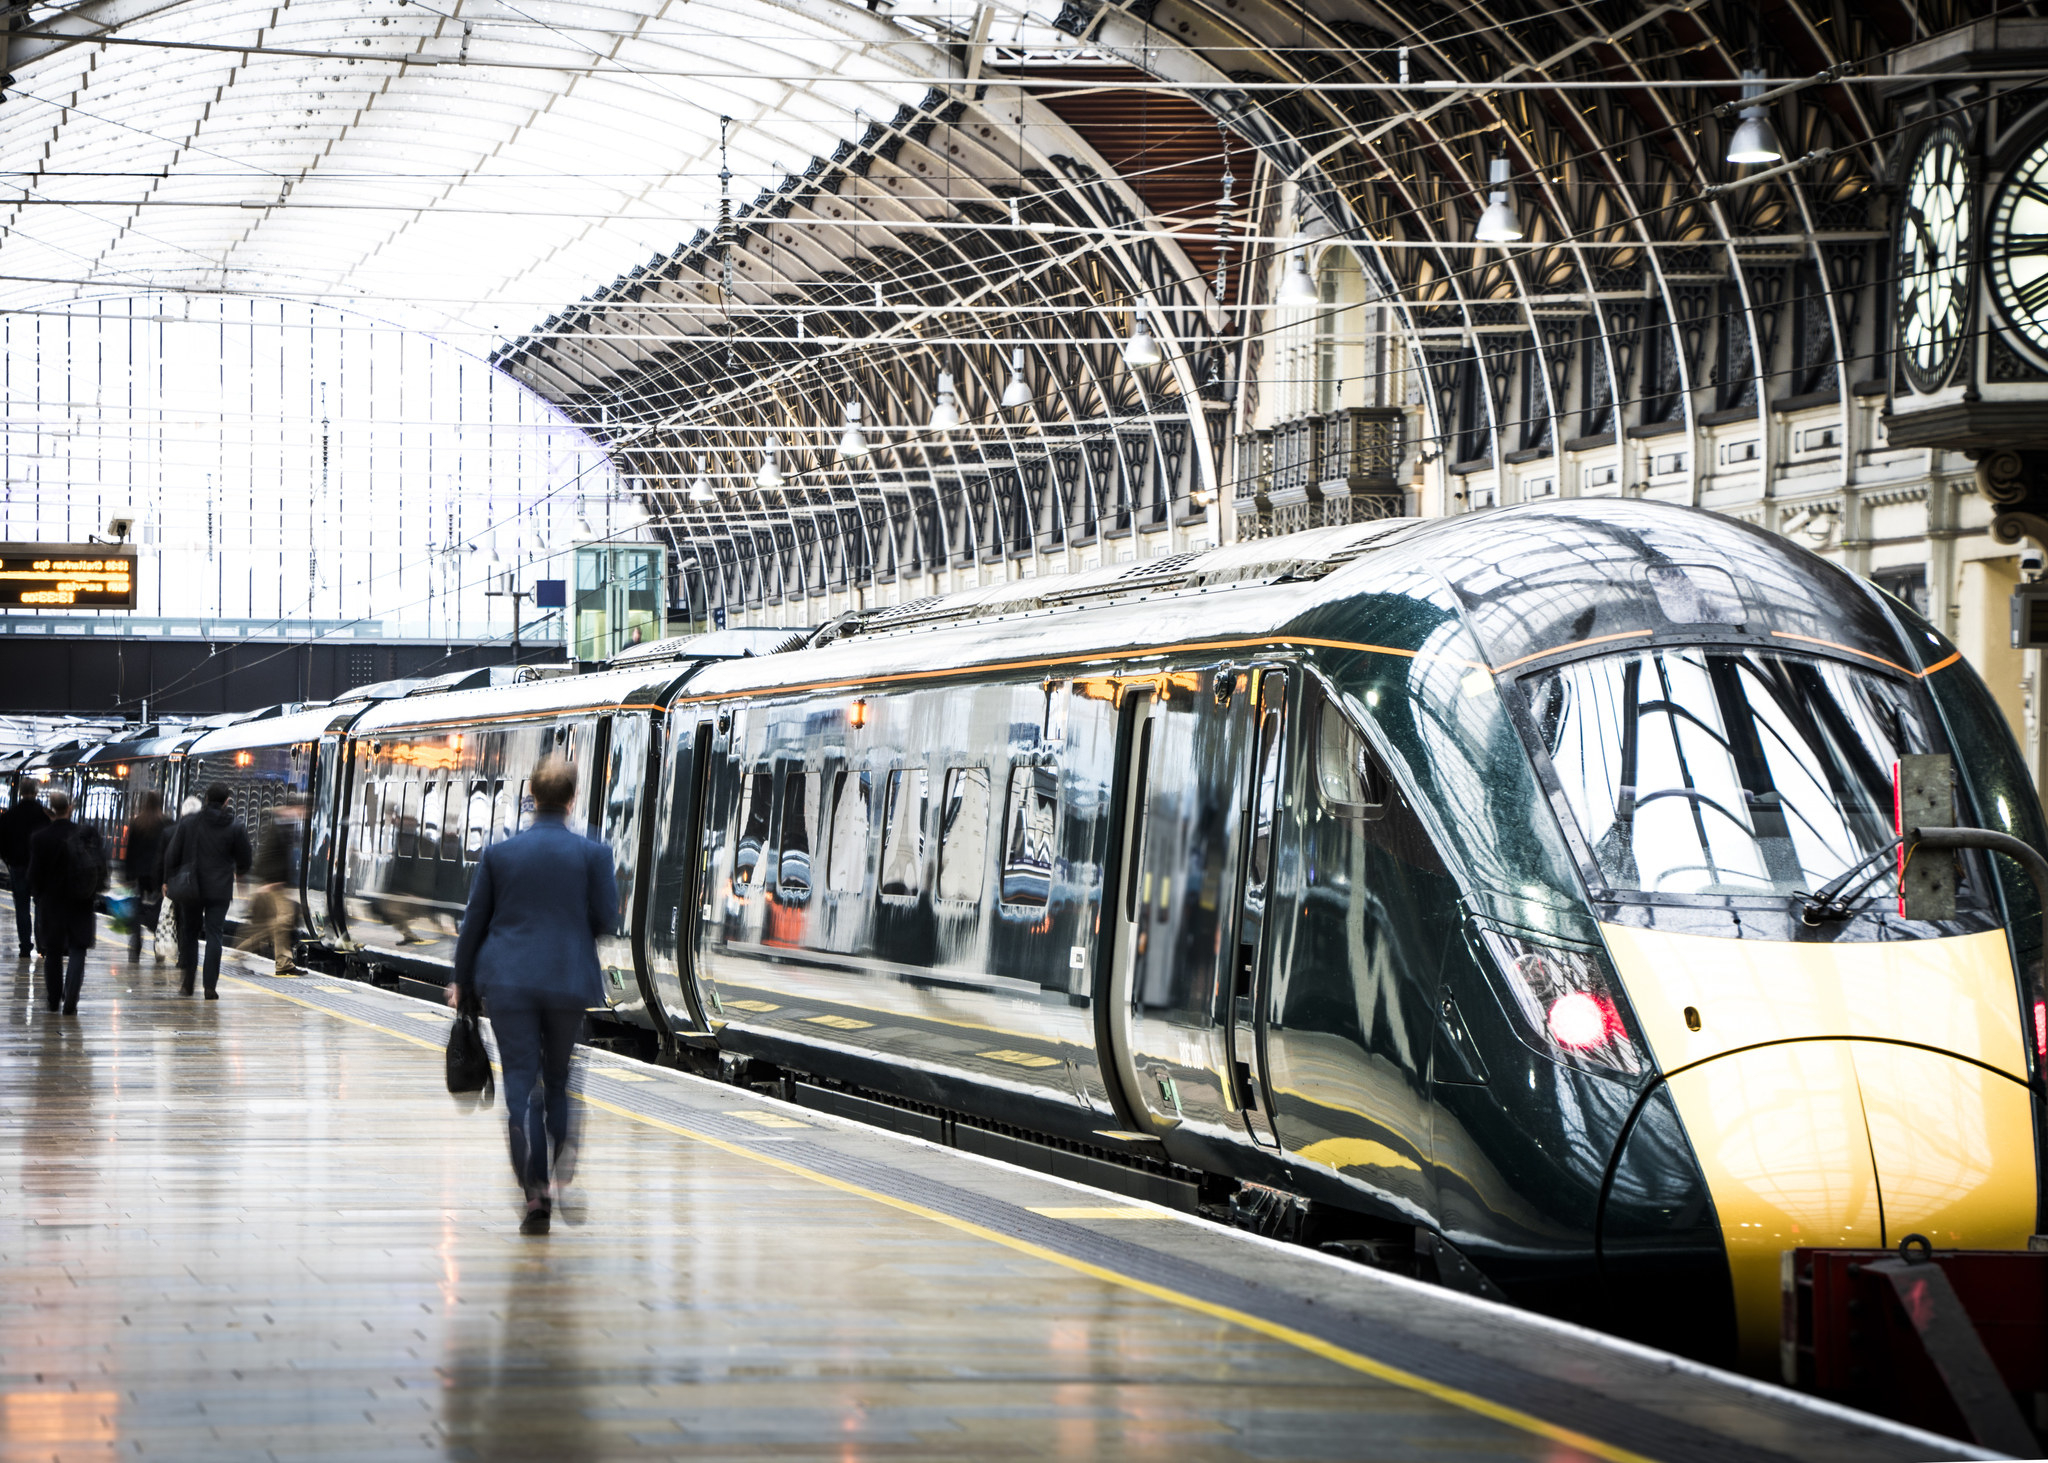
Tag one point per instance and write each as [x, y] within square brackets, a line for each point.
[260, 1228]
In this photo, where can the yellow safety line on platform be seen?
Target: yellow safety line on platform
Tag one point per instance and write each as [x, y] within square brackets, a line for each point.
[1315, 1345]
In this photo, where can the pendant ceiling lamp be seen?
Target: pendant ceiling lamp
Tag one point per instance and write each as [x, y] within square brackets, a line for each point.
[1499, 224]
[1018, 392]
[1755, 139]
[1141, 349]
[700, 486]
[1296, 288]
[945, 410]
[769, 477]
[852, 444]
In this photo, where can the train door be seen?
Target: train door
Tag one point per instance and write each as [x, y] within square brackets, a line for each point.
[618, 776]
[1358, 918]
[1251, 956]
[324, 821]
[1169, 913]
[675, 887]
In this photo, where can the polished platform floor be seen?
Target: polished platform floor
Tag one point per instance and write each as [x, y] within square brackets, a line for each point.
[259, 1228]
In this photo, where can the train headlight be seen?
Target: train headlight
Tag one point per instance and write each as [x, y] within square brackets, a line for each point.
[1564, 1006]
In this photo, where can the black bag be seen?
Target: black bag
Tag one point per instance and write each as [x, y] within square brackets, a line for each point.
[469, 1065]
[85, 869]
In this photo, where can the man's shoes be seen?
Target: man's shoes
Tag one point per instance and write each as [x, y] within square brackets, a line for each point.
[213, 995]
[535, 1222]
[288, 969]
[184, 987]
[71, 1008]
[56, 1006]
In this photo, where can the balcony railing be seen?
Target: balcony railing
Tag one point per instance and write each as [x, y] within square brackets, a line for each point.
[1318, 472]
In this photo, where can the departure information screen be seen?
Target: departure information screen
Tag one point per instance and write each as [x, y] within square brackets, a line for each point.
[66, 577]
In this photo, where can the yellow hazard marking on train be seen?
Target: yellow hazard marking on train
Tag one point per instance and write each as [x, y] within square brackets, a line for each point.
[837, 1023]
[1020, 1059]
[762, 1119]
[1098, 1211]
[753, 1005]
[1355, 1361]
[620, 1074]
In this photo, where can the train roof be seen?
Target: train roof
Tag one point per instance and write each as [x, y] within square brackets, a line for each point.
[646, 687]
[274, 730]
[1533, 582]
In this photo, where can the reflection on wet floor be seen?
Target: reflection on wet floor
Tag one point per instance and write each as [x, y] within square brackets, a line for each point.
[249, 1230]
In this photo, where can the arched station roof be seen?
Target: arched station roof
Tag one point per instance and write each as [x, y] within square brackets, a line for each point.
[921, 187]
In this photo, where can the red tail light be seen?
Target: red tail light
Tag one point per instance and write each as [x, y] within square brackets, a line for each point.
[2041, 1030]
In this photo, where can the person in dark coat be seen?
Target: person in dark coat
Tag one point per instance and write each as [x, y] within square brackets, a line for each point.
[65, 921]
[214, 843]
[25, 817]
[529, 947]
[142, 864]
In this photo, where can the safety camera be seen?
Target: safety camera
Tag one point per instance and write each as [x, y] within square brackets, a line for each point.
[120, 524]
[2031, 560]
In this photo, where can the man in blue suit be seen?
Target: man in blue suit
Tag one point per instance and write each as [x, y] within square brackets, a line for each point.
[529, 944]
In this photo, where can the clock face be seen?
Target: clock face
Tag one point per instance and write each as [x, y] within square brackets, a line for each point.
[1934, 258]
[2018, 248]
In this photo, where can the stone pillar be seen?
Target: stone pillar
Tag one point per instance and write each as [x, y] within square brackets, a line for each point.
[1984, 634]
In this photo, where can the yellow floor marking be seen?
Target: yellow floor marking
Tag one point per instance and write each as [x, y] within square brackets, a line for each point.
[768, 1119]
[426, 1016]
[1020, 1059]
[838, 1023]
[620, 1074]
[1315, 1345]
[335, 990]
[1083, 1211]
[753, 1005]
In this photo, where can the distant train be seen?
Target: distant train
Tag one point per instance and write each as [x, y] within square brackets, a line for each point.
[1434, 886]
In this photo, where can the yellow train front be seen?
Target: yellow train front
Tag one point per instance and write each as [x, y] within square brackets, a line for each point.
[1744, 1047]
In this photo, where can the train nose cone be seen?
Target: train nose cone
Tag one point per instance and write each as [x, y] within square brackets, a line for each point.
[1841, 1095]
[1852, 1145]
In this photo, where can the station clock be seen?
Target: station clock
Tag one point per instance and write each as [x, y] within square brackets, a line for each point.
[2016, 247]
[1934, 258]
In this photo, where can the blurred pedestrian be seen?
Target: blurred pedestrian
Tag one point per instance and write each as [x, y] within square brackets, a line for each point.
[67, 869]
[142, 864]
[25, 817]
[529, 947]
[208, 850]
[274, 909]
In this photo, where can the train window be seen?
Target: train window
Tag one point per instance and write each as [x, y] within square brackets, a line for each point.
[478, 819]
[1267, 795]
[757, 793]
[409, 821]
[963, 834]
[1710, 771]
[1353, 783]
[525, 807]
[847, 861]
[799, 824]
[430, 819]
[503, 811]
[1029, 838]
[453, 808]
[903, 812]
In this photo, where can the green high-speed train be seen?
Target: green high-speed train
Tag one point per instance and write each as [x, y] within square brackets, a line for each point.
[1438, 888]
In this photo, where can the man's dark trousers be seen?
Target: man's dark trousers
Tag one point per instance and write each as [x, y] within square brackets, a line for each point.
[536, 1037]
[24, 908]
[213, 917]
[64, 977]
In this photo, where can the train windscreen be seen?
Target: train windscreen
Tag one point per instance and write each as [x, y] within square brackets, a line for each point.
[1698, 770]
